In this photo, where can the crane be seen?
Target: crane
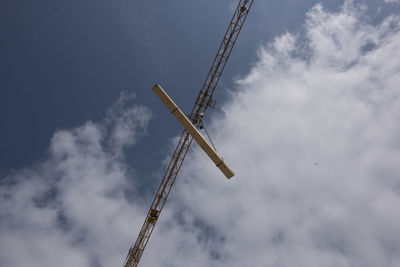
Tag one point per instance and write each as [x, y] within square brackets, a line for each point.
[203, 101]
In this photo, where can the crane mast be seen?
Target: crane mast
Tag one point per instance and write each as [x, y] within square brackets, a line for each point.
[203, 101]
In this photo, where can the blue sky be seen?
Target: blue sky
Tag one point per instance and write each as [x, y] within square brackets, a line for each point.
[84, 141]
[65, 63]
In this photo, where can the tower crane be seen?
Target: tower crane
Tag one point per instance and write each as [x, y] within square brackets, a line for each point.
[203, 101]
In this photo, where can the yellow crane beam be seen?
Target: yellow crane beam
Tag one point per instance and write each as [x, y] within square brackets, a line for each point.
[203, 101]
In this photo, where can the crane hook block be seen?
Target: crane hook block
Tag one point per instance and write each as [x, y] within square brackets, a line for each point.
[192, 130]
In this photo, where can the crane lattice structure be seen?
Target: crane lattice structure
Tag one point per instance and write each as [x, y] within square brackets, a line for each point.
[203, 101]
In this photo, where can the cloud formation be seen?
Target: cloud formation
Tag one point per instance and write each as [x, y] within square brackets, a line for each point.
[70, 209]
[311, 133]
[391, 1]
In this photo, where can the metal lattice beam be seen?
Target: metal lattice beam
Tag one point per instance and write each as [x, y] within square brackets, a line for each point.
[203, 101]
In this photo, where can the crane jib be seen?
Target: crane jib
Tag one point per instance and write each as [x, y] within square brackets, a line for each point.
[203, 101]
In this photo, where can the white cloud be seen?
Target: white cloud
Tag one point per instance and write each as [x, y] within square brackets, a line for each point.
[392, 1]
[71, 210]
[312, 134]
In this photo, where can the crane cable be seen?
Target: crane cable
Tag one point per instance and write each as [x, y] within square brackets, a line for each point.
[209, 138]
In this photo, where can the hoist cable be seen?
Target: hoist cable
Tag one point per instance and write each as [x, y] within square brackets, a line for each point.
[209, 138]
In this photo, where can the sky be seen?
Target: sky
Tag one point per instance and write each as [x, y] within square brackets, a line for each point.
[307, 116]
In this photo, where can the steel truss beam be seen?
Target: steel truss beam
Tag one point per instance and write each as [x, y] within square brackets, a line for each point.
[203, 101]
